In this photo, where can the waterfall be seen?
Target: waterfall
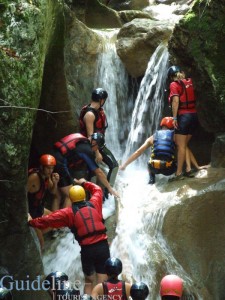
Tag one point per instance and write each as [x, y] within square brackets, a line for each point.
[139, 242]
[149, 104]
[112, 76]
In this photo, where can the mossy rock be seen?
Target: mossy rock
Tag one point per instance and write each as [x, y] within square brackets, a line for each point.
[98, 15]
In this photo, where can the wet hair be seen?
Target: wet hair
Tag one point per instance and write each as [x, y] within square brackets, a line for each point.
[178, 76]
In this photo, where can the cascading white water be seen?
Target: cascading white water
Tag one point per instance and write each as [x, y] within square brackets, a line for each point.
[149, 103]
[112, 76]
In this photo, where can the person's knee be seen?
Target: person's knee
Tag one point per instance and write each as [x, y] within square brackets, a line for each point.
[89, 278]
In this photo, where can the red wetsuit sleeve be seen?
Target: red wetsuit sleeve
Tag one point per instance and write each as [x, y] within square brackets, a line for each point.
[96, 195]
[57, 219]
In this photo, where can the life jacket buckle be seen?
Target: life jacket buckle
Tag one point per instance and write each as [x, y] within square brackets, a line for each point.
[160, 164]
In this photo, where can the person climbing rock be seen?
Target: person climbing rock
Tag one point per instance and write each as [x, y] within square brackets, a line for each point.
[93, 119]
[85, 220]
[71, 152]
[162, 158]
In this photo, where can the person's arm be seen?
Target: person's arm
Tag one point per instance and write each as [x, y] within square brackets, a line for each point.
[103, 179]
[175, 105]
[97, 291]
[54, 220]
[88, 157]
[33, 183]
[148, 143]
[94, 189]
[89, 120]
[127, 287]
[53, 183]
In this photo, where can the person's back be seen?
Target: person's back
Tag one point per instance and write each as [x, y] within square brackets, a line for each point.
[88, 226]
[162, 159]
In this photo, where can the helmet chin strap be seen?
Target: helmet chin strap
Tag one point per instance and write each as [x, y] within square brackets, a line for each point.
[103, 103]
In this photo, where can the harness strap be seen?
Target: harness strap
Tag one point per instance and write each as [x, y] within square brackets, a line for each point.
[105, 288]
[184, 90]
[76, 209]
[160, 164]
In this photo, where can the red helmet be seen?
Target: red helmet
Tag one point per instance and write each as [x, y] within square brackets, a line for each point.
[171, 285]
[168, 122]
[47, 160]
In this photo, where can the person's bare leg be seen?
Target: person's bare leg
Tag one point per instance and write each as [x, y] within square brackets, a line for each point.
[181, 142]
[89, 284]
[101, 277]
[193, 161]
[188, 159]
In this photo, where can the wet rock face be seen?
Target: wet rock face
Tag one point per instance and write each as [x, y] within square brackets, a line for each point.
[218, 152]
[91, 13]
[137, 41]
[26, 34]
[194, 231]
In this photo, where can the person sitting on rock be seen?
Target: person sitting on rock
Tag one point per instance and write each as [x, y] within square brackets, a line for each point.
[40, 180]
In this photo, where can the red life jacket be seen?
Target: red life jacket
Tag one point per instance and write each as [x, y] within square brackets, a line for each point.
[114, 290]
[69, 142]
[187, 97]
[88, 222]
[100, 123]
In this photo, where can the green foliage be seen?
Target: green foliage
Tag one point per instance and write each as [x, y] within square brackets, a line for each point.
[205, 24]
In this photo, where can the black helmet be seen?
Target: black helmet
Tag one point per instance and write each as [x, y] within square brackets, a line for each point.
[56, 277]
[5, 294]
[98, 94]
[99, 138]
[139, 291]
[113, 266]
[173, 70]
